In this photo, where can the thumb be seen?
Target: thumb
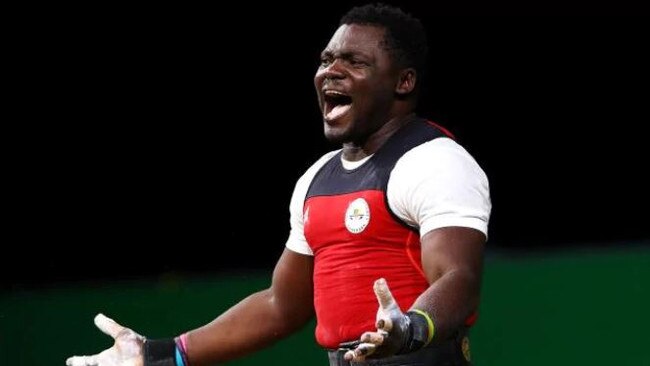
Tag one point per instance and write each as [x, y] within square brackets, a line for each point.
[108, 325]
[385, 298]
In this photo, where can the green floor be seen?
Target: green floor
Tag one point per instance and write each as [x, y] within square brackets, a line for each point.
[565, 309]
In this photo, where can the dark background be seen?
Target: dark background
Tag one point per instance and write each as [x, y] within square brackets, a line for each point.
[179, 136]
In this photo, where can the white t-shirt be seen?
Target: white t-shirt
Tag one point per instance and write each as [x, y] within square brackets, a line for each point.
[435, 184]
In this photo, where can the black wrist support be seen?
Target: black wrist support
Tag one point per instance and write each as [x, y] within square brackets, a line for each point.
[418, 332]
[160, 352]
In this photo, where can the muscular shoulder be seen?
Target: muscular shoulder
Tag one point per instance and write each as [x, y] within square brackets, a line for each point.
[439, 184]
[441, 154]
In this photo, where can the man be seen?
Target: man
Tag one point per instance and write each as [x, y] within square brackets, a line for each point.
[401, 204]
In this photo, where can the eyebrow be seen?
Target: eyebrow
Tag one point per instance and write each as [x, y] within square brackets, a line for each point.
[346, 54]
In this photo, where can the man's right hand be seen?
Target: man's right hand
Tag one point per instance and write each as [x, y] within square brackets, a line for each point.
[127, 350]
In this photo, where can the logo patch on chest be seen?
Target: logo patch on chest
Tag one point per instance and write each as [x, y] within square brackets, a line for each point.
[357, 216]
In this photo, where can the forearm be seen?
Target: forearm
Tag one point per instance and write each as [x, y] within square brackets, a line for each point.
[252, 324]
[450, 300]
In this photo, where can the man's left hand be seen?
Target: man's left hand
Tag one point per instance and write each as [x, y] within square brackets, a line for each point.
[393, 328]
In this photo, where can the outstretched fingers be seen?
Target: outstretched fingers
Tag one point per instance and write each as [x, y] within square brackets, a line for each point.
[370, 341]
[108, 326]
[82, 361]
[360, 353]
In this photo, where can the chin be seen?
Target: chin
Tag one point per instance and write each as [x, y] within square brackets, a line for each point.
[336, 134]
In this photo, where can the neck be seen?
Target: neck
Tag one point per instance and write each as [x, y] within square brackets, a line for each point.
[357, 150]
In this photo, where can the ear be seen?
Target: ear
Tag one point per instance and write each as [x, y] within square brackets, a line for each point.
[406, 81]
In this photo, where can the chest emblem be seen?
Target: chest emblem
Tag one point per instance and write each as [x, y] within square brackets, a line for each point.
[357, 216]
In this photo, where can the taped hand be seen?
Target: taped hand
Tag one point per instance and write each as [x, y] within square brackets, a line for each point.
[396, 332]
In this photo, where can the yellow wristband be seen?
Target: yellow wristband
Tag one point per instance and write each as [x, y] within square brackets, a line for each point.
[432, 328]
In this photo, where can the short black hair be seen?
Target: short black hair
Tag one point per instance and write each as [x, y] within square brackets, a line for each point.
[405, 36]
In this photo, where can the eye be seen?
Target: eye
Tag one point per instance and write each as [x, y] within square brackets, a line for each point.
[355, 62]
[325, 61]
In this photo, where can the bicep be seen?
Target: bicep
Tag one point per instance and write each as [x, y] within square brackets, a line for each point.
[292, 287]
[452, 249]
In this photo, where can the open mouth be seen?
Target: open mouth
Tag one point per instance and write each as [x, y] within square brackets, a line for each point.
[335, 104]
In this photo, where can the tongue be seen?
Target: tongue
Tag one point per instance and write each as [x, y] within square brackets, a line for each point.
[337, 112]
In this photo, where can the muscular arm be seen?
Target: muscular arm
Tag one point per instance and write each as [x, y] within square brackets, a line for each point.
[452, 259]
[260, 319]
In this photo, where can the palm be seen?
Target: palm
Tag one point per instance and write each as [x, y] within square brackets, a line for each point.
[127, 350]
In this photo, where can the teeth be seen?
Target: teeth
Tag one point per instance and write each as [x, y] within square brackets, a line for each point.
[334, 92]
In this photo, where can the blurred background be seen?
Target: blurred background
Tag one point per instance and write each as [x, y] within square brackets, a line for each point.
[157, 189]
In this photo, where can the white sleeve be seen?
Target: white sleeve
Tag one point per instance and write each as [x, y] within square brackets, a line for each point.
[297, 241]
[439, 184]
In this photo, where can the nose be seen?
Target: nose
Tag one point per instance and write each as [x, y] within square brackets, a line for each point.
[332, 71]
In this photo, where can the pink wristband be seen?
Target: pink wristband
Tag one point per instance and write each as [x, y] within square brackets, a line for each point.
[181, 350]
[183, 342]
